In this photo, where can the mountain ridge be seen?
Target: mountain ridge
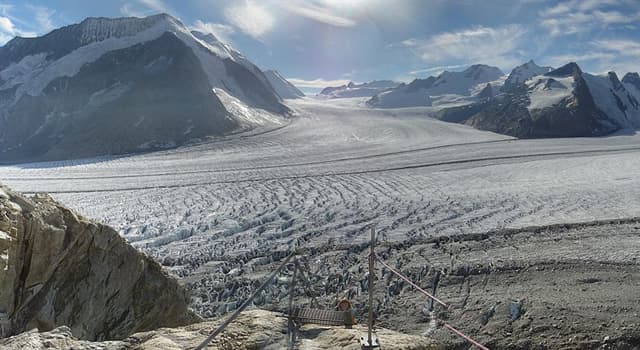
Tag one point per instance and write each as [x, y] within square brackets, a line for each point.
[50, 102]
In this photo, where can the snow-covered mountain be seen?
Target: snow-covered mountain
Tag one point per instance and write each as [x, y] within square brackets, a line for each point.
[632, 82]
[282, 86]
[523, 73]
[561, 103]
[358, 90]
[448, 87]
[110, 86]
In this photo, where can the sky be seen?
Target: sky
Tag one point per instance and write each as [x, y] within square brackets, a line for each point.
[318, 43]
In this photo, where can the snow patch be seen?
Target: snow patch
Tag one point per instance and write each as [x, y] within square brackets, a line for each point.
[242, 112]
[5, 236]
[546, 92]
[107, 95]
[612, 100]
[19, 72]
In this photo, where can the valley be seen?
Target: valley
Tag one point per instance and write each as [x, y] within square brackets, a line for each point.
[220, 214]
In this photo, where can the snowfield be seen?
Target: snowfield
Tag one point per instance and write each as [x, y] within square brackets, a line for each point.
[335, 168]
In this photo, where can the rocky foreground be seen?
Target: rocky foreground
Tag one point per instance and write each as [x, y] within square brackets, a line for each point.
[256, 329]
[60, 269]
[569, 286]
[69, 283]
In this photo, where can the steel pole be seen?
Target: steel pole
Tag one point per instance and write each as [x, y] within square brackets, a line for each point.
[371, 282]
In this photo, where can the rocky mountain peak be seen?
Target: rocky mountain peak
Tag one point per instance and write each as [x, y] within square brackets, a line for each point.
[632, 79]
[568, 70]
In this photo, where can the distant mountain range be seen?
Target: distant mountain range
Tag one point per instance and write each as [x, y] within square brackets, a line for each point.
[112, 86]
[531, 102]
[448, 87]
[358, 90]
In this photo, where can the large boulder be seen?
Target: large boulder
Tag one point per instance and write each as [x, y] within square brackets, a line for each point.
[58, 268]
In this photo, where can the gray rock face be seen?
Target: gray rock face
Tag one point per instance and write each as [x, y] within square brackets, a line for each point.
[581, 105]
[159, 97]
[116, 86]
[58, 268]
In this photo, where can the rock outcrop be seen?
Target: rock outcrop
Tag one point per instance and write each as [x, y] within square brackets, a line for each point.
[58, 268]
[255, 329]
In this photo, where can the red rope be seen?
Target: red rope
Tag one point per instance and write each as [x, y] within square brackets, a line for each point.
[413, 284]
[467, 338]
[446, 325]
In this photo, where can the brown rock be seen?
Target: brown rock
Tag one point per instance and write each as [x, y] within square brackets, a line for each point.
[58, 268]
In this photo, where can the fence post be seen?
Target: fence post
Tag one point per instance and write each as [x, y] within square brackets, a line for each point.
[371, 343]
[292, 326]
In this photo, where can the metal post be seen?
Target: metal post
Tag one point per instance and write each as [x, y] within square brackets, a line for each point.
[244, 305]
[292, 326]
[371, 282]
[371, 343]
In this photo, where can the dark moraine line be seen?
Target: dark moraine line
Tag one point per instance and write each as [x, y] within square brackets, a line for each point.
[346, 173]
[277, 166]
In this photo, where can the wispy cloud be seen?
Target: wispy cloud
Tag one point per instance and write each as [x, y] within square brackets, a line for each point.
[251, 18]
[559, 60]
[623, 47]
[142, 8]
[39, 21]
[43, 17]
[437, 70]
[220, 31]
[581, 16]
[476, 44]
[321, 12]
[317, 83]
[620, 55]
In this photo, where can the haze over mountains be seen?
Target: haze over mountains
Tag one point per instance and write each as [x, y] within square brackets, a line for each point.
[358, 90]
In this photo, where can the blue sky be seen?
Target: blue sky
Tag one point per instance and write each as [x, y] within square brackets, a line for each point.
[316, 43]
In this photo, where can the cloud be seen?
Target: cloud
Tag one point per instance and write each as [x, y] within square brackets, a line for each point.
[581, 16]
[317, 83]
[9, 29]
[476, 44]
[324, 13]
[143, 8]
[251, 18]
[220, 31]
[620, 55]
[559, 60]
[437, 70]
[43, 18]
[622, 47]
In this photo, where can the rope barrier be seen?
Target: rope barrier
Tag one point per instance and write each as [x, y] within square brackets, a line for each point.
[245, 304]
[413, 284]
[446, 325]
[467, 338]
